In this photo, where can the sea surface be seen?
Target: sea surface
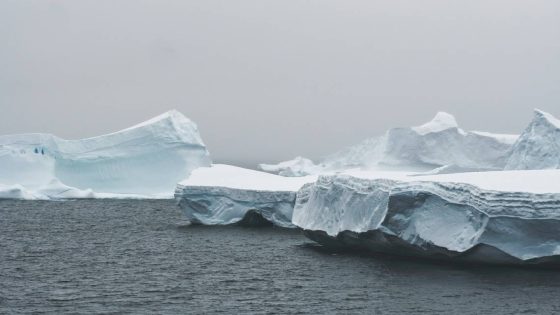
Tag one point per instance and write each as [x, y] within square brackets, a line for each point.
[141, 257]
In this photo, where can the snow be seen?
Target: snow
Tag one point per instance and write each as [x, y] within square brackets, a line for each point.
[224, 194]
[538, 147]
[144, 160]
[501, 137]
[511, 213]
[222, 175]
[531, 181]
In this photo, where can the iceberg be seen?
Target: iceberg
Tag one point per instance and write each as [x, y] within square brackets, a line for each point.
[439, 143]
[147, 159]
[538, 147]
[506, 217]
[296, 167]
[15, 192]
[224, 194]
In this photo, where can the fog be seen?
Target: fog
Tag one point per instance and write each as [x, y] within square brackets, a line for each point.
[268, 80]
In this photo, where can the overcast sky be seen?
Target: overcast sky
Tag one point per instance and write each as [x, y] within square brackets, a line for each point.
[269, 80]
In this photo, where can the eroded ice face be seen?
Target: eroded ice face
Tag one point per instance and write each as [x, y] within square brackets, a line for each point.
[146, 159]
[513, 215]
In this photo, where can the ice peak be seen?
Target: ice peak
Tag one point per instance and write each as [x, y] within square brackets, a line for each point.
[538, 146]
[170, 115]
[173, 121]
[546, 117]
[174, 115]
[441, 121]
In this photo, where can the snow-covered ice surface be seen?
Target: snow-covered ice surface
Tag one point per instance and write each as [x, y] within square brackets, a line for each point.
[538, 146]
[224, 194]
[230, 176]
[437, 143]
[496, 217]
[146, 160]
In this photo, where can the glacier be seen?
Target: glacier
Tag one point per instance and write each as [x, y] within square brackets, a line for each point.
[145, 160]
[224, 194]
[503, 217]
[435, 144]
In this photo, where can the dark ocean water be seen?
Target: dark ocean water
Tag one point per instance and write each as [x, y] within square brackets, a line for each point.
[140, 257]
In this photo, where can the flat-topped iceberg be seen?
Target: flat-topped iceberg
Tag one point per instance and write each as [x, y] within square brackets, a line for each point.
[224, 194]
[504, 217]
[147, 160]
[497, 217]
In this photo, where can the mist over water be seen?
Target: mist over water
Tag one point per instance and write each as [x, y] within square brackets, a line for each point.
[140, 257]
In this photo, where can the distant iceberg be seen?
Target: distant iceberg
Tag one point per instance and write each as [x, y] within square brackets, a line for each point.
[146, 160]
[538, 147]
[298, 166]
[437, 143]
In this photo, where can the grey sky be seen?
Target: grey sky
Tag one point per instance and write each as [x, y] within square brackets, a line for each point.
[268, 80]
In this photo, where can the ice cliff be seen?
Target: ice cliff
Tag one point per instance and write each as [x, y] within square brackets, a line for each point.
[497, 217]
[224, 194]
[147, 159]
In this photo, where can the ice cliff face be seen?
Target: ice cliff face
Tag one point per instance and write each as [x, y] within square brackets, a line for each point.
[224, 194]
[438, 143]
[146, 159]
[225, 205]
[538, 147]
[436, 218]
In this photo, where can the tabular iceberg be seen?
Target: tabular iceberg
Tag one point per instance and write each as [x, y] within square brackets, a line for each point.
[438, 143]
[147, 159]
[508, 217]
[224, 194]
